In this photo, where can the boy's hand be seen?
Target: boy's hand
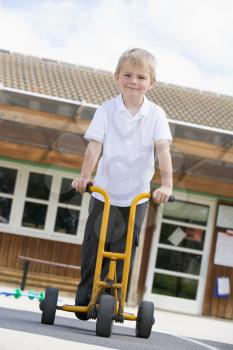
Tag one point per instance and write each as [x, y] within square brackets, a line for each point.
[161, 194]
[80, 184]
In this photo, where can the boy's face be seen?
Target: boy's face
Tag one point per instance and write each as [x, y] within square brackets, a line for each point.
[134, 81]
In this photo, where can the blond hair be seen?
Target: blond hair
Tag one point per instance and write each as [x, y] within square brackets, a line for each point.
[138, 57]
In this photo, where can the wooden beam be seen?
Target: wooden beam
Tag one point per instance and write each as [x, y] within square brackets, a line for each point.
[40, 155]
[58, 122]
[205, 184]
[199, 184]
[43, 119]
[204, 150]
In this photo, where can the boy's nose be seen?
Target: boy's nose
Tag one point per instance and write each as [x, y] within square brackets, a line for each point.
[133, 80]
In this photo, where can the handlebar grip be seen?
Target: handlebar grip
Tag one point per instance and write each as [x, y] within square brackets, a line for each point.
[171, 199]
[88, 187]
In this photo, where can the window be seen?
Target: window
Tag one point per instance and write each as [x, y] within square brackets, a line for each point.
[68, 210]
[7, 187]
[41, 203]
[179, 256]
[193, 237]
[39, 186]
[37, 200]
[175, 286]
[187, 212]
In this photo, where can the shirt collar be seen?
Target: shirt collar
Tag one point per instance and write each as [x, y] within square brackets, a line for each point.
[143, 111]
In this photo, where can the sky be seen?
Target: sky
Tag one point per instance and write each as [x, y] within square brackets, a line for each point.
[192, 40]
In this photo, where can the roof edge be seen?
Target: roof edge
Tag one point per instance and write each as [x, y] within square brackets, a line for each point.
[200, 126]
[48, 97]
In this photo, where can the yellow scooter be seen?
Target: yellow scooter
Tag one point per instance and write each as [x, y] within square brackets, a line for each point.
[107, 308]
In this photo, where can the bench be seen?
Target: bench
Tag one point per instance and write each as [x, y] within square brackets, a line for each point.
[26, 263]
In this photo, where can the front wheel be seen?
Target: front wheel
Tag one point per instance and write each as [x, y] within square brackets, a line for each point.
[49, 305]
[105, 316]
[145, 319]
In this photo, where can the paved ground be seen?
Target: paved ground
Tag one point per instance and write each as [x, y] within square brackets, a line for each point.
[20, 329]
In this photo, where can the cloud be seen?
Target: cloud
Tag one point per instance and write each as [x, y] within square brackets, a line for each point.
[17, 35]
[201, 29]
[191, 39]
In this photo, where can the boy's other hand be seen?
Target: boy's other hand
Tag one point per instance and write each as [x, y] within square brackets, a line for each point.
[161, 194]
[80, 184]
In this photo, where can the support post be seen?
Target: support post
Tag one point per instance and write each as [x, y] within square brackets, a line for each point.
[25, 272]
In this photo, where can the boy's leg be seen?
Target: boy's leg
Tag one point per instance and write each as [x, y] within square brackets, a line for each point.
[88, 253]
[89, 249]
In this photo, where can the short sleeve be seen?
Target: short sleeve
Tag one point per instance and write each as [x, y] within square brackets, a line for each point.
[97, 127]
[162, 129]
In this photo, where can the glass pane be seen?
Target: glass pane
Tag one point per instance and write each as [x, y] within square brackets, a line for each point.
[68, 195]
[181, 236]
[5, 209]
[67, 221]
[34, 215]
[178, 261]
[186, 212]
[7, 180]
[175, 286]
[39, 186]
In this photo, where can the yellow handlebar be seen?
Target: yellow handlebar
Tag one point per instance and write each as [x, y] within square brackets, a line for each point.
[90, 188]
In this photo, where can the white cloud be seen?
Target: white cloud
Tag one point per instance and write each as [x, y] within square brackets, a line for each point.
[17, 35]
[203, 29]
[191, 39]
[174, 67]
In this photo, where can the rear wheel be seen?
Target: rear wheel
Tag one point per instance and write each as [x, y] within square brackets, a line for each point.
[145, 319]
[105, 316]
[49, 305]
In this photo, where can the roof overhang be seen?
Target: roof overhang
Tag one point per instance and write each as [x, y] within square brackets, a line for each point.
[200, 127]
[46, 103]
[70, 107]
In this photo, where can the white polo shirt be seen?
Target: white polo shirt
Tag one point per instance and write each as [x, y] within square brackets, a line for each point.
[127, 164]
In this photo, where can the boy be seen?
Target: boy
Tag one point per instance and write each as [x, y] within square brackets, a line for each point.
[124, 131]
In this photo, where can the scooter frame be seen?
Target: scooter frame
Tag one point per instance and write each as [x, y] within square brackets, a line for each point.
[107, 308]
[110, 281]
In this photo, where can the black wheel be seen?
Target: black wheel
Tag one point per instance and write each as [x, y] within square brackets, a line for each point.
[105, 315]
[49, 305]
[145, 319]
[41, 305]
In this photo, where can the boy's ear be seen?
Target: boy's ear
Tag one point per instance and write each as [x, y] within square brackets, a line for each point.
[152, 85]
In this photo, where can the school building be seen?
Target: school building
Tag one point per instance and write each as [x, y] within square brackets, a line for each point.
[184, 261]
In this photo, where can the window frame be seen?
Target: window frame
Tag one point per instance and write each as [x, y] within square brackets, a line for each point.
[19, 198]
[178, 303]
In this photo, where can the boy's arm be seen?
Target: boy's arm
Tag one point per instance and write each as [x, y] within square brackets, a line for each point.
[162, 194]
[91, 157]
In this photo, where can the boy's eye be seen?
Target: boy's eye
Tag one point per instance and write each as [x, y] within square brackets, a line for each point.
[142, 77]
[127, 75]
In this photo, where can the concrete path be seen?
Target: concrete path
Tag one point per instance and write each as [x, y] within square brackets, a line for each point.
[20, 329]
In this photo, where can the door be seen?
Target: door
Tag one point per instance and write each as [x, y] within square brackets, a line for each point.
[179, 254]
